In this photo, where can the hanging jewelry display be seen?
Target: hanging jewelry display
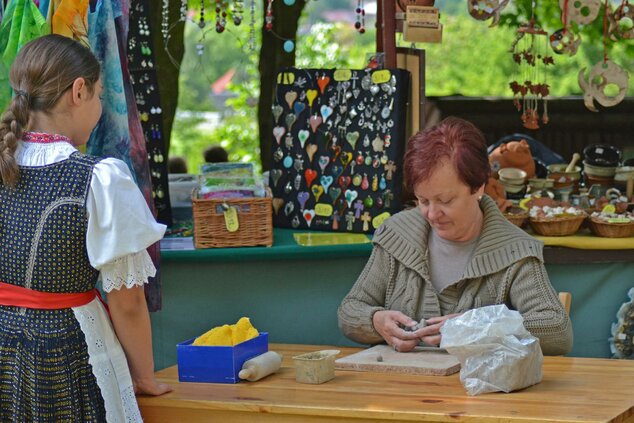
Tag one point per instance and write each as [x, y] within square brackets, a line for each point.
[360, 12]
[563, 41]
[483, 10]
[146, 94]
[602, 75]
[621, 22]
[337, 149]
[530, 86]
[252, 27]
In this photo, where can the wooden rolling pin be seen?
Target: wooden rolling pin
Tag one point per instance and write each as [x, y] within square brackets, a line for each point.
[261, 366]
[573, 162]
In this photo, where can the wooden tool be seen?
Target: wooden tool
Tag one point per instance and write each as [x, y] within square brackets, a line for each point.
[573, 162]
[383, 358]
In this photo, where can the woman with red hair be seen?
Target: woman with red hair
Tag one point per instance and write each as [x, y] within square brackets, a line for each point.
[452, 253]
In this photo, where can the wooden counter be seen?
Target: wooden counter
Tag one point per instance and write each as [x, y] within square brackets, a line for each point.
[573, 390]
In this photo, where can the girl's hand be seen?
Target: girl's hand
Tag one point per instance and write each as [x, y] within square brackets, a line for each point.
[430, 334]
[150, 387]
[389, 324]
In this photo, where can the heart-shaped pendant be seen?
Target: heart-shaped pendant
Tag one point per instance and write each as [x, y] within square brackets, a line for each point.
[311, 149]
[350, 195]
[336, 170]
[344, 182]
[310, 176]
[311, 95]
[308, 216]
[326, 112]
[303, 136]
[277, 204]
[317, 190]
[278, 132]
[323, 162]
[302, 197]
[290, 120]
[352, 138]
[315, 121]
[346, 157]
[290, 98]
[276, 174]
[326, 181]
[277, 112]
[299, 107]
[323, 83]
[334, 193]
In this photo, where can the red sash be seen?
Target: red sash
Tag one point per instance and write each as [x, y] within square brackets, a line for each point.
[13, 295]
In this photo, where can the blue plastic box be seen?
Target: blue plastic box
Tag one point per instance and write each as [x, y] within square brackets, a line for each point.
[217, 364]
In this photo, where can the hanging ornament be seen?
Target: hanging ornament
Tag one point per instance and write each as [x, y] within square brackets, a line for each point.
[165, 11]
[289, 46]
[252, 27]
[603, 74]
[201, 22]
[360, 11]
[563, 41]
[529, 52]
[581, 12]
[621, 22]
[237, 12]
[221, 15]
[289, 2]
[483, 10]
[183, 10]
[268, 19]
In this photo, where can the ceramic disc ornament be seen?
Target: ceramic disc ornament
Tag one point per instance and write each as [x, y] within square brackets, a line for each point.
[483, 10]
[582, 12]
[565, 42]
[621, 22]
[602, 75]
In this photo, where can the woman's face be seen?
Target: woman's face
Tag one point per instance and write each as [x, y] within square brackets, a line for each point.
[449, 205]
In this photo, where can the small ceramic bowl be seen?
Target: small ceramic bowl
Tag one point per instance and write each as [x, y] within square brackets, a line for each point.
[512, 175]
[602, 171]
[541, 183]
[602, 155]
[512, 188]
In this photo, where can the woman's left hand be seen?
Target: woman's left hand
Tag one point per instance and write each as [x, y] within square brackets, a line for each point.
[430, 334]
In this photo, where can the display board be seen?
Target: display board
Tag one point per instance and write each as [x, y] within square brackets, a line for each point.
[338, 142]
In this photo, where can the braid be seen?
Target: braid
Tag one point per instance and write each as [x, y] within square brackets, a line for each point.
[12, 125]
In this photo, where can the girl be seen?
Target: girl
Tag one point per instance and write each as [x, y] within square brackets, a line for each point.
[67, 219]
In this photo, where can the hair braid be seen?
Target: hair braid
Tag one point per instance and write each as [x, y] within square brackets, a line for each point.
[12, 125]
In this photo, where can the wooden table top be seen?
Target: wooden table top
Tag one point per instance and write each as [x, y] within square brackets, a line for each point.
[572, 390]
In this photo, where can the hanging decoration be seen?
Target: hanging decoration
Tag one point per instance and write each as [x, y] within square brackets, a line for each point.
[621, 22]
[530, 85]
[581, 12]
[603, 74]
[563, 41]
[359, 25]
[268, 19]
[483, 10]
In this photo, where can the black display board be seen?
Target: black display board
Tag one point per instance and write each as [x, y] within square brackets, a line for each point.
[338, 142]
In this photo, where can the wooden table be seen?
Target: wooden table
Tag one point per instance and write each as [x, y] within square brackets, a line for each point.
[573, 390]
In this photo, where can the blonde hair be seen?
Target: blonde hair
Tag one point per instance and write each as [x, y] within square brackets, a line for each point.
[41, 73]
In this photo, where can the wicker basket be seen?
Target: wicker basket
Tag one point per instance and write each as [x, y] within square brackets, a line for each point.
[255, 217]
[558, 226]
[611, 230]
[518, 219]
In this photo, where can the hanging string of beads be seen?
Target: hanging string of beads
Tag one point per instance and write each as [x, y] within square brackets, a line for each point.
[252, 27]
[165, 11]
[221, 16]
[360, 11]
[201, 21]
[268, 19]
[237, 12]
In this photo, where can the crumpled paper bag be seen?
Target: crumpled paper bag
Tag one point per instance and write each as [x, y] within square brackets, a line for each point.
[495, 351]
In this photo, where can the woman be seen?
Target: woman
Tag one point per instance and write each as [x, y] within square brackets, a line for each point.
[452, 253]
[67, 220]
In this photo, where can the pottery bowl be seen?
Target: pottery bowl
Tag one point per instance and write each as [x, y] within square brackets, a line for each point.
[512, 175]
[541, 183]
[512, 188]
[602, 171]
[602, 155]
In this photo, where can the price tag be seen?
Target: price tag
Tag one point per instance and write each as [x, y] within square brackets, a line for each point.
[231, 218]
[381, 77]
[342, 74]
[322, 209]
[378, 220]
[619, 220]
[285, 78]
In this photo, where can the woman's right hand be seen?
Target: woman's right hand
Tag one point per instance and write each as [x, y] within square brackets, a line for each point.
[151, 387]
[389, 323]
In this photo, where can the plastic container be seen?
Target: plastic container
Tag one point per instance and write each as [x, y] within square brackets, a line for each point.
[315, 367]
[217, 364]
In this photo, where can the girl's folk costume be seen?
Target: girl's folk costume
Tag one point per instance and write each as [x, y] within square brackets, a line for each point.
[71, 219]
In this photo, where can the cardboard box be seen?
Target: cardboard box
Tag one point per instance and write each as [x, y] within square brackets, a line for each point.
[217, 364]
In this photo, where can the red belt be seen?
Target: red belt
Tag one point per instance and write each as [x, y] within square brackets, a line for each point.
[13, 295]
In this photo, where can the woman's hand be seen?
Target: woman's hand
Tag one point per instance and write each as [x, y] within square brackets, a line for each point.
[150, 387]
[430, 334]
[386, 323]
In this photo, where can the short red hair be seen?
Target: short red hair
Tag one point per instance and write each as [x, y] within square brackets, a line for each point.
[455, 139]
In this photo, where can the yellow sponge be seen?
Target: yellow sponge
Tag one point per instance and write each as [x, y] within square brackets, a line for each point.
[228, 335]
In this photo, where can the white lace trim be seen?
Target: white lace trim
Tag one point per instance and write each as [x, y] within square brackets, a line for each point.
[130, 270]
[109, 365]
